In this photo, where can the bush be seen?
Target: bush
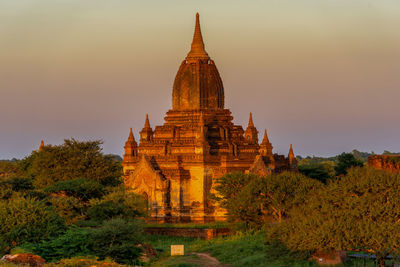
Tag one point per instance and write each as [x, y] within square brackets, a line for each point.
[85, 262]
[73, 243]
[117, 239]
[28, 220]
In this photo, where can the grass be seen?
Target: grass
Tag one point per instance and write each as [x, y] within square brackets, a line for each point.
[162, 244]
[249, 249]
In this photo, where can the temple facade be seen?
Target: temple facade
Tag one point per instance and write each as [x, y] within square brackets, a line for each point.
[175, 165]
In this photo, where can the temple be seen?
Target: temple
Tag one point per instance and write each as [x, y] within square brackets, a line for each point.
[175, 165]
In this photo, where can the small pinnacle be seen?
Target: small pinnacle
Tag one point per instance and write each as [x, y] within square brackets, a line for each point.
[147, 122]
[265, 139]
[251, 124]
[131, 135]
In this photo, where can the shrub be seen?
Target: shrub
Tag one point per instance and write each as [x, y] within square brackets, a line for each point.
[70, 209]
[73, 243]
[28, 220]
[85, 262]
[117, 239]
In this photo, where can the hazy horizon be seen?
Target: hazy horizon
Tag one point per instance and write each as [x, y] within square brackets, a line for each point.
[322, 75]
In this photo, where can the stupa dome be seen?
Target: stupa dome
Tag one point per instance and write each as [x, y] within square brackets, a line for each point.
[198, 84]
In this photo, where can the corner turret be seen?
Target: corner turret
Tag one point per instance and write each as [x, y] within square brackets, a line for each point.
[265, 146]
[130, 147]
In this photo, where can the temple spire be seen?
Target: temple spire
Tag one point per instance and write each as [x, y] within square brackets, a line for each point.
[265, 139]
[41, 146]
[291, 154]
[251, 124]
[147, 122]
[197, 49]
[292, 158]
[131, 138]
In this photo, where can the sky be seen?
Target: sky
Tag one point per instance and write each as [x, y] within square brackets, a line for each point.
[322, 75]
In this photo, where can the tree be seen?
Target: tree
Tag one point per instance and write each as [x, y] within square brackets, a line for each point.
[259, 199]
[319, 171]
[119, 203]
[118, 240]
[72, 160]
[345, 161]
[358, 212]
[229, 185]
[82, 189]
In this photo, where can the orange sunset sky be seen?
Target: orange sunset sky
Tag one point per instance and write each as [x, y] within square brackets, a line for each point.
[323, 75]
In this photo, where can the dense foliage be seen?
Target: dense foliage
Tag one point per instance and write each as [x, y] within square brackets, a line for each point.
[72, 160]
[357, 212]
[118, 240]
[254, 200]
[47, 198]
[320, 171]
[27, 220]
[346, 161]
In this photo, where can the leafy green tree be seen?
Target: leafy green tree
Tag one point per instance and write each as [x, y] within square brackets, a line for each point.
[345, 161]
[358, 212]
[319, 171]
[229, 185]
[267, 198]
[27, 220]
[119, 203]
[81, 188]
[72, 160]
[117, 239]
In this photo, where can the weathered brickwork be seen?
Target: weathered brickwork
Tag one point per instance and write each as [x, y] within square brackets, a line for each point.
[175, 165]
[385, 162]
